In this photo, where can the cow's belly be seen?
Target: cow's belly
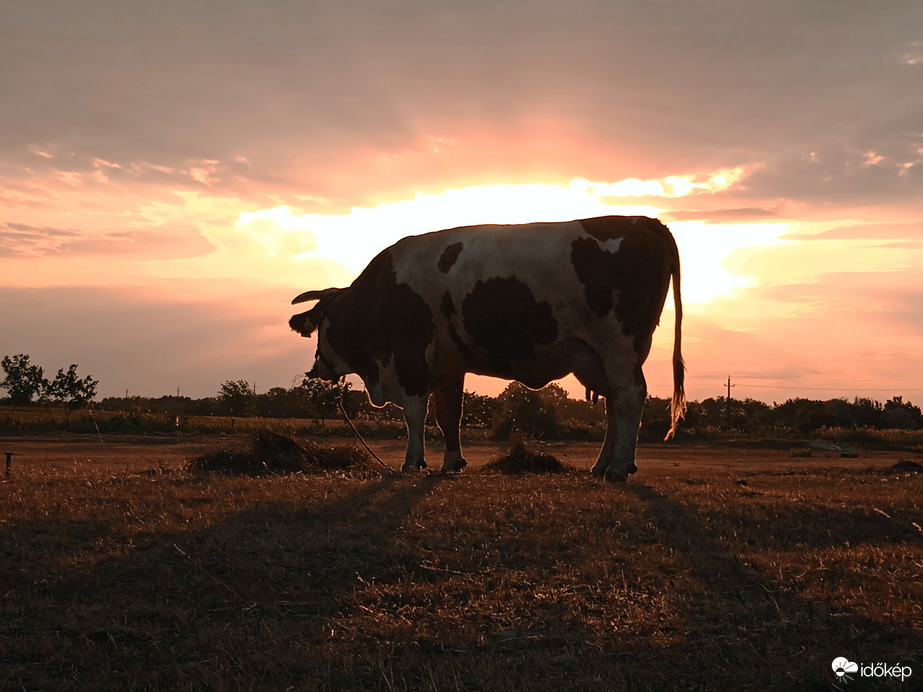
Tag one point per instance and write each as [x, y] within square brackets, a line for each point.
[569, 355]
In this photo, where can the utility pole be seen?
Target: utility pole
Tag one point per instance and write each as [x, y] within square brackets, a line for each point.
[727, 404]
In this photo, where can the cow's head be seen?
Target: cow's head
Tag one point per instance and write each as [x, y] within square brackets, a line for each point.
[327, 364]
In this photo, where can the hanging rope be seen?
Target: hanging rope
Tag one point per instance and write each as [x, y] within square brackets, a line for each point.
[359, 437]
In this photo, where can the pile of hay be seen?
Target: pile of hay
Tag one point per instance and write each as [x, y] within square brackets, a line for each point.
[522, 460]
[907, 465]
[272, 454]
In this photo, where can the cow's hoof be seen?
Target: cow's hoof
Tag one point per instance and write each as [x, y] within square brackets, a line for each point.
[413, 466]
[614, 475]
[455, 466]
[599, 470]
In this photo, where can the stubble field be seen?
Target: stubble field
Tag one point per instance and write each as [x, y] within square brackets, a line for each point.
[712, 568]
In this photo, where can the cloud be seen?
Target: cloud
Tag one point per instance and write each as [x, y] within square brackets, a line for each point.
[165, 242]
[911, 53]
[313, 99]
[865, 231]
[742, 215]
[842, 335]
[136, 131]
[850, 174]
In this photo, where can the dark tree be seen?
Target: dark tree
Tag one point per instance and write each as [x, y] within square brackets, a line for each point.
[523, 410]
[476, 410]
[68, 388]
[324, 397]
[238, 398]
[23, 380]
[900, 415]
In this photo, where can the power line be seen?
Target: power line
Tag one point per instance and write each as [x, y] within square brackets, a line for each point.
[827, 389]
[836, 385]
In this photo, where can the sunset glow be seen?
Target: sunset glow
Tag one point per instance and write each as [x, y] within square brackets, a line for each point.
[352, 239]
[164, 197]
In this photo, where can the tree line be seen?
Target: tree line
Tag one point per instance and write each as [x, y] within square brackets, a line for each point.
[548, 413]
[25, 381]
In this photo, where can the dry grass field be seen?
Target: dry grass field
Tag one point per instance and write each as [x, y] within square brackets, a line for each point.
[712, 568]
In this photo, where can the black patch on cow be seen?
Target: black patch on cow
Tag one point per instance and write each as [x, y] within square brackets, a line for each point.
[596, 269]
[448, 257]
[448, 305]
[502, 316]
[377, 318]
[632, 281]
[605, 228]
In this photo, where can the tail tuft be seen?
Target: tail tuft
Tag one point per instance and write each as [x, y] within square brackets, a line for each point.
[678, 403]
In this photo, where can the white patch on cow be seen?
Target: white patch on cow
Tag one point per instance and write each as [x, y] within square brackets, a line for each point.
[611, 245]
[387, 389]
[487, 251]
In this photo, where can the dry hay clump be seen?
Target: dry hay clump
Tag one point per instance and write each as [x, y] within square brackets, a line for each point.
[522, 460]
[905, 465]
[272, 454]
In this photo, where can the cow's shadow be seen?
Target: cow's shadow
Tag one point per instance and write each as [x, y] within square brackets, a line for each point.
[212, 605]
[276, 595]
[758, 621]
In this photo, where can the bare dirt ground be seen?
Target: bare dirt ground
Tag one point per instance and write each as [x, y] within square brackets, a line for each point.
[60, 451]
[722, 567]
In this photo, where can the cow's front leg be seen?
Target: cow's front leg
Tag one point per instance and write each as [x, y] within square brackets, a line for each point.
[414, 417]
[448, 405]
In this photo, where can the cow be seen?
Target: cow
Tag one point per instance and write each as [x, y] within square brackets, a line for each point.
[529, 302]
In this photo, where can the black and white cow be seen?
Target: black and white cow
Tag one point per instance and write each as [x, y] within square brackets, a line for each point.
[529, 302]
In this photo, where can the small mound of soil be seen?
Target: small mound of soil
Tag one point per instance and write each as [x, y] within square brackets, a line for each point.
[901, 467]
[272, 454]
[521, 460]
[907, 465]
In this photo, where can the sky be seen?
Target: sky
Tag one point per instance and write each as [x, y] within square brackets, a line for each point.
[173, 173]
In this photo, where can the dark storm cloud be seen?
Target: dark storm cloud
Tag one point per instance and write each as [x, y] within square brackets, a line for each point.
[296, 89]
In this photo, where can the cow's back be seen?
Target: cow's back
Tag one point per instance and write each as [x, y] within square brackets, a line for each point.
[597, 279]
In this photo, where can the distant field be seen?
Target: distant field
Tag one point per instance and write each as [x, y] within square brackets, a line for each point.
[712, 568]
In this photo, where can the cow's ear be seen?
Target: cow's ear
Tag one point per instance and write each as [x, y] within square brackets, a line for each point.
[316, 295]
[306, 322]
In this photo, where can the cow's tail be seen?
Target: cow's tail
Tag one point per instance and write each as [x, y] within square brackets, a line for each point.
[678, 404]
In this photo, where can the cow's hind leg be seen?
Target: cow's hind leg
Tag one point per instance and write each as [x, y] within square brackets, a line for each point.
[414, 416]
[447, 401]
[624, 405]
